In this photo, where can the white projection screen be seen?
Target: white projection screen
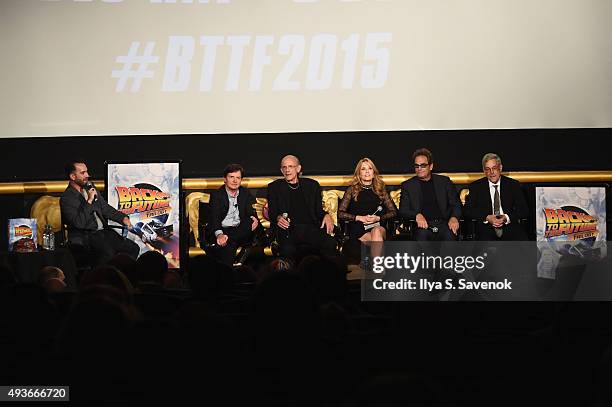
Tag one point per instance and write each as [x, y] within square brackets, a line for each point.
[120, 67]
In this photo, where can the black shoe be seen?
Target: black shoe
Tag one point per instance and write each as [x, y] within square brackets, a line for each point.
[244, 253]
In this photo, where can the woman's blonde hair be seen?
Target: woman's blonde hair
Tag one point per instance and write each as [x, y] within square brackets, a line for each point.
[378, 186]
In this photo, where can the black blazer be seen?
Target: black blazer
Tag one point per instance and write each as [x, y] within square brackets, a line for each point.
[219, 205]
[478, 204]
[278, 199]
[446, 195]
[79, 217]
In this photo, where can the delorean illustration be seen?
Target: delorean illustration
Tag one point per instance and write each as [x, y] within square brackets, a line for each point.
[152, 229]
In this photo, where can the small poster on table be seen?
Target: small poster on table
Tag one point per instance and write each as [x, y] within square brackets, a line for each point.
[22, 234]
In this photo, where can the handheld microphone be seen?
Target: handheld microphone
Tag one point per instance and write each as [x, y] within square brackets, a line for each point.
[371, 225]
[285, 216]
[89, 186]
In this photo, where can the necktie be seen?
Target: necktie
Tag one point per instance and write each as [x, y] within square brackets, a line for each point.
[496, 210]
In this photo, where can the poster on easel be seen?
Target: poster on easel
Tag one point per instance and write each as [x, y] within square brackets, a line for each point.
[149, 193]
[570, 224]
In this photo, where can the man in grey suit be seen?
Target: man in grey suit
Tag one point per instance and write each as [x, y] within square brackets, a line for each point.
[431, 200]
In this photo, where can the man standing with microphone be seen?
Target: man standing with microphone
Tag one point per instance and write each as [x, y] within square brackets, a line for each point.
[85, 214]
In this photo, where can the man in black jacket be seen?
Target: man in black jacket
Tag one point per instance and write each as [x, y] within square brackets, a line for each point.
[497, 203]
[295, 209]
[231, 217]
[431, 200]
[85, 214]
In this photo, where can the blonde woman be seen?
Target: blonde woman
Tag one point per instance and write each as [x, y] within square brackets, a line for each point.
[366, 203]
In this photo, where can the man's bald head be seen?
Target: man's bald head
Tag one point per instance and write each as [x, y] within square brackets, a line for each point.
[291, 168]
[49, 272]
[290, 159]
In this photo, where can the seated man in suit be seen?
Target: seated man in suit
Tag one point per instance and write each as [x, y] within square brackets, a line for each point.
[296, 212]
[232, 219]
[430, 199]
[85, 214]
[497, 203]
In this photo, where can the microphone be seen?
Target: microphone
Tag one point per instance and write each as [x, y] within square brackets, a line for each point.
[285, 216]
[371, 225]
[89, 186]
[378, 209]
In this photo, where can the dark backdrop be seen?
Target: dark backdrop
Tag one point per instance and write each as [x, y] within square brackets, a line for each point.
[31, 159]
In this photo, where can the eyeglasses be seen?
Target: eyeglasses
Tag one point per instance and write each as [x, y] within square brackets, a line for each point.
[416, 166]
[491, 169]
[286, 167]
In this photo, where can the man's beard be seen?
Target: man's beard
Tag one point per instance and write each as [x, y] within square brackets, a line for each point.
[81, 182]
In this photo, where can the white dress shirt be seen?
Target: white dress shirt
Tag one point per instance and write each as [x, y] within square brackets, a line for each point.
[232, 218]
[492, 193]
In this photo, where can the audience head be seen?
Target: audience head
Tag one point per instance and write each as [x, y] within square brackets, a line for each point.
[173, 280]
[326, 277]
[209, 278]
[95, 325]
[52, 279]
[125, 264]
[49, 272]
[284, 312]
[151, 267]
[276, 265]
[107, 276]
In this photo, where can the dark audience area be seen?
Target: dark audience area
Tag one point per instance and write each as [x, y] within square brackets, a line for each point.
[282, 334]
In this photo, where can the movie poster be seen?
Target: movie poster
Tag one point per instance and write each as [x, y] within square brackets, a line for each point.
[22, 234]
[570, 222]
[149, 193]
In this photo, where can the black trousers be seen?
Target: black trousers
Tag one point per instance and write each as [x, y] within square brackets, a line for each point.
[444, 234]
[304, 236]
[105, 244]
[237, 236]
[511, 232]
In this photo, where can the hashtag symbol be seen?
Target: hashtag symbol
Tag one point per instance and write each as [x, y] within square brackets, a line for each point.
[140, 72]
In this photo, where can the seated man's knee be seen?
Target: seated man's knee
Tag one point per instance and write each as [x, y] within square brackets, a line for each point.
[447, 234]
